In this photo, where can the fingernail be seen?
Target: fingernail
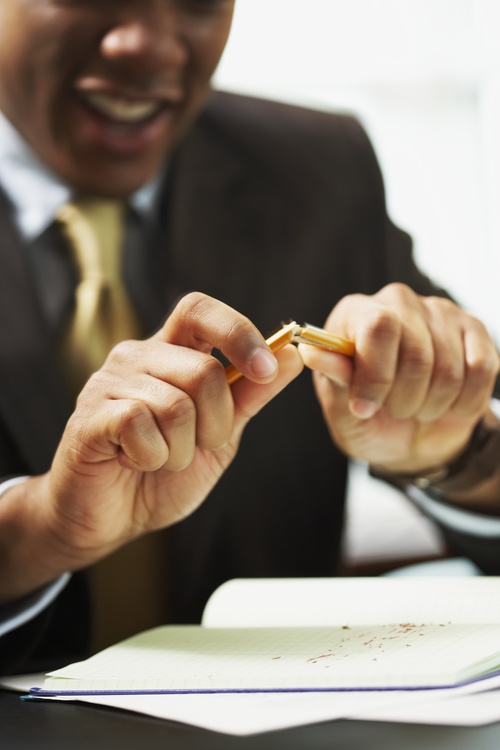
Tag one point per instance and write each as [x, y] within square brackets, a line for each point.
[263, 363]
[364, 409]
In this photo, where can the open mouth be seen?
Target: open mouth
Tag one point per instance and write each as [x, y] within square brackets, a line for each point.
[123, 122]
[122, 110]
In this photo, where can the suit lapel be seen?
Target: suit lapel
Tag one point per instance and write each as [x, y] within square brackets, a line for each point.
[33, 401]
[225, 219]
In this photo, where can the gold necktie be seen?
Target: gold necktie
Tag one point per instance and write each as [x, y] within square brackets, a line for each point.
[103, 314]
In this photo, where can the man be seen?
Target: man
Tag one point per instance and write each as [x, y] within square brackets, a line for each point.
[274, 211]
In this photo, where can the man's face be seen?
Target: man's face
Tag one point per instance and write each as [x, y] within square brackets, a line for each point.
[103, 89]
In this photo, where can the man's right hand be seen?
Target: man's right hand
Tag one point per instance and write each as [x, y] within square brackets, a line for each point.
[153, 431]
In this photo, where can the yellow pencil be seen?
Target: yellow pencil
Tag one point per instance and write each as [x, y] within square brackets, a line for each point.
[293, 333]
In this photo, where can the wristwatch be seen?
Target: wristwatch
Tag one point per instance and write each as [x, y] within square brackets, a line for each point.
[479, 460]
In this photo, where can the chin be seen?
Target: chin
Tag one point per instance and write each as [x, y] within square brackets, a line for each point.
[109, 184]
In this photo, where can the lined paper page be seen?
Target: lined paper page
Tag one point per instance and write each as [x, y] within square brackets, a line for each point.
[196, 658]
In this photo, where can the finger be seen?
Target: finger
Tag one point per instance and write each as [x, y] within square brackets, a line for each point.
[146, 444]
[448, 370]
[336, 367]
[413, 372]
[159, 374]
[126, 429]
[377, 333]
[398, 353]
[482, 364]
[334, 401]
[203, 323]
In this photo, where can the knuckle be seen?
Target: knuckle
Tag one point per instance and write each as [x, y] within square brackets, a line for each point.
[237, 329]
[194, 306]
[208, 373]
[416, 361]
[448, 375]
[396, 292]
[123, 351]
[490, 351]
[179, 408]
[482, 372]
[445, 305]
[348, 300]
[133, 416]
[384, 325]
[99, 384]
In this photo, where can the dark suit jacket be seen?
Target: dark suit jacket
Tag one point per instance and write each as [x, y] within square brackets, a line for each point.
[279, 212]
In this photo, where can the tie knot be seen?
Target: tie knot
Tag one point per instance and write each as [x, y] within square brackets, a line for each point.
[94, 228]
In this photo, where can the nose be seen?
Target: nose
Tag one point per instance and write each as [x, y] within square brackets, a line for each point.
[147, 42]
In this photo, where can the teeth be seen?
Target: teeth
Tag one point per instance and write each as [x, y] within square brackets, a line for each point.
[118, 108]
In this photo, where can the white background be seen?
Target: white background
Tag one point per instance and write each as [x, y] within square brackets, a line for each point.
[423, 76]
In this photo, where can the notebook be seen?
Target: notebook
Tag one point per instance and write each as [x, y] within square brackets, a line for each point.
[274, 635]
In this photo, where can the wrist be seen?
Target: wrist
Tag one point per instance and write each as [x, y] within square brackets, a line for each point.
[475, 465]
[27, 557]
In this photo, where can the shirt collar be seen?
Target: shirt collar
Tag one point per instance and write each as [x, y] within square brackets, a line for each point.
[36, 193]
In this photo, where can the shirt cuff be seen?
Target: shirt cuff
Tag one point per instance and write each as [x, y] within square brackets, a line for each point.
[18, 613]
[464, 521]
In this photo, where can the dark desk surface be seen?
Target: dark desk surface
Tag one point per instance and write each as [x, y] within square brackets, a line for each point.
[69, 726]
